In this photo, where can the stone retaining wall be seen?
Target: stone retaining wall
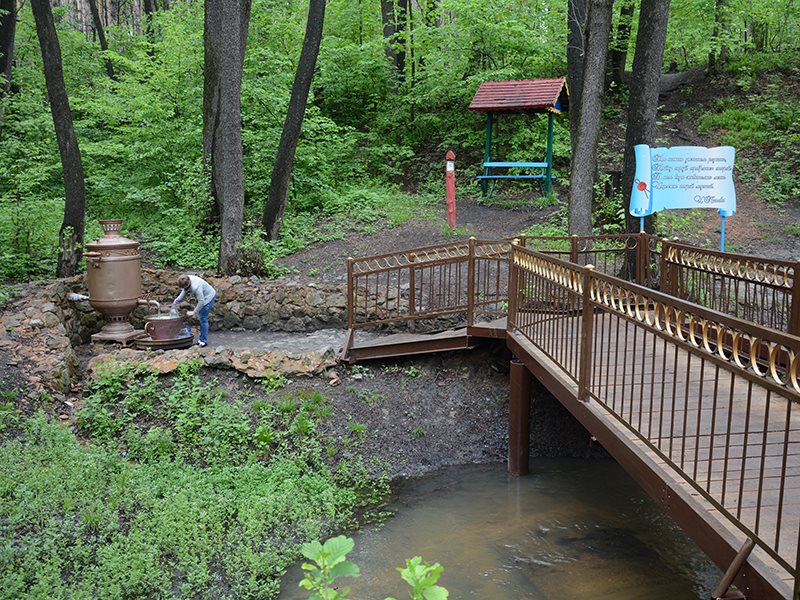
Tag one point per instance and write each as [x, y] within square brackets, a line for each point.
[40, 326]
[242, 303]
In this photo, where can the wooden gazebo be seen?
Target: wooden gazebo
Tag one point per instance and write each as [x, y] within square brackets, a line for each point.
[520, 96]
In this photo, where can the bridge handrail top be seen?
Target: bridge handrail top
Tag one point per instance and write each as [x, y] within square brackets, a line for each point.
[748, 327]
[778, 262]
[422, 249]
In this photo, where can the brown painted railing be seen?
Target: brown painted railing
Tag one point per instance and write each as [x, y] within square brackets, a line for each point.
[631, 256]
[716, 397]
[465, 279]
[468, 279]
[764, 291]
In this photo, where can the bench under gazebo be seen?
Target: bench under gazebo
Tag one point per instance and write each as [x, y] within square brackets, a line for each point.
[523, 96]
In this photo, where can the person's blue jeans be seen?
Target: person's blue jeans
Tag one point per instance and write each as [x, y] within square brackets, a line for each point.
[202, 314]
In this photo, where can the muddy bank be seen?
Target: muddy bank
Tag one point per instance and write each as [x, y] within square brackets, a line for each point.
[415, 415]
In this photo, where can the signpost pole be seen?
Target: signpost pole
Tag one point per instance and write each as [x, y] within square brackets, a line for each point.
[450, 188]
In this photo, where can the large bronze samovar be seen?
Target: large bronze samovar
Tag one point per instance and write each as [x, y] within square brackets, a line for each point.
[113, 273]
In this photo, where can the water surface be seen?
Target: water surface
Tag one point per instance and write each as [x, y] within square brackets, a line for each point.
[571, 529]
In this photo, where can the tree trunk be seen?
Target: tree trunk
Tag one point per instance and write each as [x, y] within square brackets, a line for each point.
[643, 101]
[393, 15]
[619, 51]
[149, 7]
[8, 28]
[576, 20]
[101, 36]
[720, 29]
[284, 159]
[72, 228]
[584, 163]
[225, 39]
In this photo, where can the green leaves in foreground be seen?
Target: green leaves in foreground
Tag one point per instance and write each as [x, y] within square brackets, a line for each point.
[422, 578]
[331, 563]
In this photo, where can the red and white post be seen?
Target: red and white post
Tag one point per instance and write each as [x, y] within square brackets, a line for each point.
[450, 188]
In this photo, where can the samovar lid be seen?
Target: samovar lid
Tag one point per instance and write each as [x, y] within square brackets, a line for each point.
[111, 238]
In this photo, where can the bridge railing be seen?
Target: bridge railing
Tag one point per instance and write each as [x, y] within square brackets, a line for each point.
[468, 279]
[764, 291]
[464, 280]
[631, 256]
[716, 397]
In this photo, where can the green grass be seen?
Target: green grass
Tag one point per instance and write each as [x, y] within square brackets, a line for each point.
[175, 490]
[792, 229]
[763, 128]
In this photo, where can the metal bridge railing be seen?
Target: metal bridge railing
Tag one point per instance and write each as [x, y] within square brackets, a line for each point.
[467, 280]
[764, 291]
[716, 397]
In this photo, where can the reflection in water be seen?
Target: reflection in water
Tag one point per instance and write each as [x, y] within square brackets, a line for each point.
[571, 529]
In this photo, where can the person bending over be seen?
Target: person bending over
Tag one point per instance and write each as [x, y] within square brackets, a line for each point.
[205, 296]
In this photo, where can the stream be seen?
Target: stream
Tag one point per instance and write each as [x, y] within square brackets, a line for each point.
[572, 529]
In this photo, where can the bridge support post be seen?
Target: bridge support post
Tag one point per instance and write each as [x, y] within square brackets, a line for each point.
[794, 318]
[519, 410]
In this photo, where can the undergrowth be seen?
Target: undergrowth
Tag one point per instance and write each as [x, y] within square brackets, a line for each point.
[175, 490]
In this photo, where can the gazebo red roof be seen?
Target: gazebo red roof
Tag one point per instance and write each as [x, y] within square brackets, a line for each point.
[535, 95]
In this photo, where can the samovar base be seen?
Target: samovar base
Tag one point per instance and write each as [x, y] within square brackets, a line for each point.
[121, 337]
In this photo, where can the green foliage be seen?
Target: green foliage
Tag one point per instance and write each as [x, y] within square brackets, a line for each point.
[178, 489]
[367, 129]
[141, 135]
[422, 578]
[792, 229]
[330, 564]
[9, 418]
[412, 371]
[7, 292]
[764, 130]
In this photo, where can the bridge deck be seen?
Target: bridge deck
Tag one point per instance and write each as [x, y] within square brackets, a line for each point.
[740, 463]
[714, 437]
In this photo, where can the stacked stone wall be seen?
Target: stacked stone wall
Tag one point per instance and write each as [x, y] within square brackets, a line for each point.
[41, 324]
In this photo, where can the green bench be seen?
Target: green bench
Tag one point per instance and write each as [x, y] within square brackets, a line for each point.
[489, 176]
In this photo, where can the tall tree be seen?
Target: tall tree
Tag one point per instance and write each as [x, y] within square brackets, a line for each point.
[584, 159]
[225, 39]
[394, 14]
[622, 36]
[8, 28]
[101, 36]
[284, 158]
[72, 227]
[576, 22]
[643, 100]
[719, 49]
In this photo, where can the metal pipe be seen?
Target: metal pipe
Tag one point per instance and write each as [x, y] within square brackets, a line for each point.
[143, 302]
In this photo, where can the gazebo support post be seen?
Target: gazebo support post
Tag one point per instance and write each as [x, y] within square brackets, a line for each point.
[487, 151]
[548, 179]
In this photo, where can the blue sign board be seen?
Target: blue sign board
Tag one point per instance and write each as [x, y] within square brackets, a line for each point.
[683, 177]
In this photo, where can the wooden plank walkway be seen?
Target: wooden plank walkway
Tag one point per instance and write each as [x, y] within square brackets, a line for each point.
[408, 344]
[742, 450]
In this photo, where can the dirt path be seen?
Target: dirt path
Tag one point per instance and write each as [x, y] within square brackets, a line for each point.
[328, 261]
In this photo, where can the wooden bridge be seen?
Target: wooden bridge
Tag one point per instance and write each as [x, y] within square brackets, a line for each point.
[684, 363]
